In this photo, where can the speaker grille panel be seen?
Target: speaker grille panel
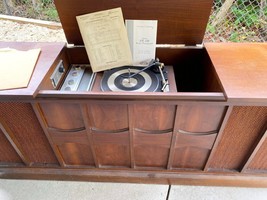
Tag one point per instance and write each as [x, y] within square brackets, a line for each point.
[240, 137]
[23, 123]
[7, 153]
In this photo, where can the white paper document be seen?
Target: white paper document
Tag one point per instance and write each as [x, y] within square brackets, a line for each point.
[16, 67]
[142, 36]
[105, 39]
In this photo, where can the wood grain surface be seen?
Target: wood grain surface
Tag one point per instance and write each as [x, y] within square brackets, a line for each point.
[48, 55]
[242, 69]
[179, 22]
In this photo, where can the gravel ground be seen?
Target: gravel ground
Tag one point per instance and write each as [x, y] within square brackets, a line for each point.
[12, 31]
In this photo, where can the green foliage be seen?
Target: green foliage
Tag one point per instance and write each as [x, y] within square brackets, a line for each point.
[47, 2]
[245, 21]
[211, 29]
[45, 9]
[234, 37]
[246, 14]
[51, 14]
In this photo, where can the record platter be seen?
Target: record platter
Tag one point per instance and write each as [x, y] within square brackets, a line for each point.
[152, 78]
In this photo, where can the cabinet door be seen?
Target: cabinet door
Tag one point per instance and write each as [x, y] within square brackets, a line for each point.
[152, 133]
[62, 116]
[110, 133]
[196, 130]
[112, 149]
[73, 147]
[64, 122]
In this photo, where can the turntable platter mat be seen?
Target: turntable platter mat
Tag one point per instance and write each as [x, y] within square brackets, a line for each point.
[117, 80]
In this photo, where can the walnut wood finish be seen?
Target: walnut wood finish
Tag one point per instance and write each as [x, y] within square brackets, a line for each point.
[199, 118]
[242, 70]
[151, 149]
[140, 137]
[110, 133]
[47, 57]
[192, 152]
[189, 29]
[196, 128]
[138, 176]
[63, 116]
[67, 132]
[108, 117]
[152, 133]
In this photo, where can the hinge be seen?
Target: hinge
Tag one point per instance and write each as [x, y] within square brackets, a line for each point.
[180, 46]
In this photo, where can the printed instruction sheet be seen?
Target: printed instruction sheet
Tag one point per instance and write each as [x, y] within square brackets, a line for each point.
[142, 36]
[105, 39]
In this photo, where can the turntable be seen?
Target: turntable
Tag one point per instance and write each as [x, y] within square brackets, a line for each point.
[152, 78]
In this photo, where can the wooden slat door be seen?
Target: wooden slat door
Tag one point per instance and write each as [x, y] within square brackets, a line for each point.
[152, 127]
[109, 129]
[195, 132]
[67, 131]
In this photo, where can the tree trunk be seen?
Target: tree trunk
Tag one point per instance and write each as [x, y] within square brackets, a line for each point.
[221, 15]
[8, 6]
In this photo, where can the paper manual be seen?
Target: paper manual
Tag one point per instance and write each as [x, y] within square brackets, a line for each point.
[142, 36]
[16, 67]
[105, 39]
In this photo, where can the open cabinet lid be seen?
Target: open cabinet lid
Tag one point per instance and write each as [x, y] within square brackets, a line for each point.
[179, 21]
[241, 69]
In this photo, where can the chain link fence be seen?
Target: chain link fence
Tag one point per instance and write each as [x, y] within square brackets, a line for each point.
[230, 20]
[237, 21]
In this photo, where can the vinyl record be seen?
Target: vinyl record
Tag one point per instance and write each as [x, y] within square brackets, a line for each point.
[117, 80]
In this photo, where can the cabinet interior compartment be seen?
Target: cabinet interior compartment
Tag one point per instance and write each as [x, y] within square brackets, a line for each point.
[193, 69]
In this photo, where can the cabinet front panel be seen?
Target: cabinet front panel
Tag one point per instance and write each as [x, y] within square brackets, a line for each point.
[151, 156]
[74, 147]
[112, 149]
[60, 137]
[152, 139]
[154, 117]
[239, 138]
[152, 132]
[196, 130]
[7, 153]
[151, 149]
[24, 125]
[62, 116]
[200, 118]
[76, 154]
[117, 155]
[192, 151]
[108, 117]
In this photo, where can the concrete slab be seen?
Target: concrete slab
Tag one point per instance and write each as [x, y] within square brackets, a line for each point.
[59, 190]
[216, 193]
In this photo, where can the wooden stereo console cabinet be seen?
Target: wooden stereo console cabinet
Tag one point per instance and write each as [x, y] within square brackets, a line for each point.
[210, 129]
